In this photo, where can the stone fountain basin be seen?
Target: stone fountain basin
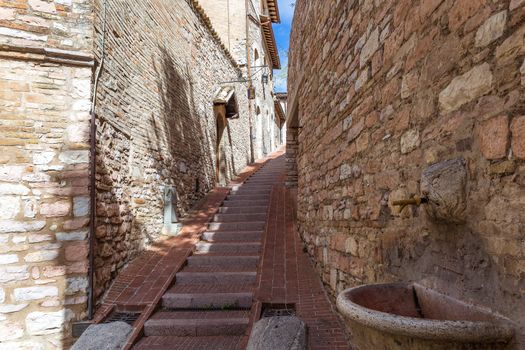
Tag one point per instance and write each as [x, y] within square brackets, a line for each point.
[410, 316]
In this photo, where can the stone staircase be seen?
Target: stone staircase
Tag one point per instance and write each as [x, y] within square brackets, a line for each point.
[211, 302]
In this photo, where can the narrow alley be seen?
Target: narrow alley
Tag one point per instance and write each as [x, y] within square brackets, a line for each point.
[226, 273]
[262, 175]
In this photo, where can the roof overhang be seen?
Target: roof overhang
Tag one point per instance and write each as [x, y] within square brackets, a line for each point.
[279, 109]
[273, 9]
[226, 96]
[269, 39]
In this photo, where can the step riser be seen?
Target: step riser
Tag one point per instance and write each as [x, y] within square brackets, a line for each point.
[208, 301]
[243, 210]
[248, 197]
[236, 226]
[231, 236]
[239, 217]
[250, 193]
[246, 187]
[244, 203]
[227, 248]
[216, 277]
[165, 328]
[240, 261]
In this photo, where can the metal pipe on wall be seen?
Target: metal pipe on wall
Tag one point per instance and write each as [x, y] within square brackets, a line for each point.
[93, 174]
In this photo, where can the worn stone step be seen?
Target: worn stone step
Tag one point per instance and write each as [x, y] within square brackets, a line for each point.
[239, 217]
[228, 236]
[244, 203]
[251, 192]
[244, 260]
[229, 247]
[237, 226]
[209, 296]
[248, 197]
[245, 187]
[216, 277]
[196, 323]
[243, 210]
[233, 342]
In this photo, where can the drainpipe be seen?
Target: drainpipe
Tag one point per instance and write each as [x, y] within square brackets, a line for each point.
[92, 180]
[249, 73]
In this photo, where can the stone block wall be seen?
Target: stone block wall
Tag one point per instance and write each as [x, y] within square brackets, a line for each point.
[156, 125]
[45, 82]
[389, 89]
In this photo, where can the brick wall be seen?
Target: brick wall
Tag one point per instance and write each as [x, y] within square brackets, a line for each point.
[44, 153]
[156, 125]
[386, 89]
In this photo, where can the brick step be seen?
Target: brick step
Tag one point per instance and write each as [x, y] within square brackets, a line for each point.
[229, 247]
[261, 183]
[209, 296]
[243, 210]
[244, 203]
[251, 192]
[237, 226]
[244, 260]
[250, 188]
[191, 324]
[218, 269]
[192, 343]
[228, 236]
[248, 197]
[240, 217]
[215, 277]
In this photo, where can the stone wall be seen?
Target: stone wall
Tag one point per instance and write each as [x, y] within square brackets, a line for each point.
[385, 90]
[45, 80]
[156, 125]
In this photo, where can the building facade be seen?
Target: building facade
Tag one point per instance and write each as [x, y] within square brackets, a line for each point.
[385, 95]
[245, 26]
[172, 120]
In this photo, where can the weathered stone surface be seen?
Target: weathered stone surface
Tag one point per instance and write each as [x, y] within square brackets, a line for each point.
[492, 29]
[13, 189]
[517, 129]
[13, 273]
[40, 323]
[10, 331]
[410, 141]
[9, 207]
[467, 57]
[108, 336]
[80, 206]
[42, 255]
[34, 293]
[463, 89]
[75, 285]
[278, 333]
[6, 259]
[7, 226]
[56, 209]
[444, 184]
[370, 47]
[10, 308]
[74, 157]
[493, 137]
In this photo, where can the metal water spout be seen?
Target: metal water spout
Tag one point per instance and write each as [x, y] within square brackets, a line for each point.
[415, 200]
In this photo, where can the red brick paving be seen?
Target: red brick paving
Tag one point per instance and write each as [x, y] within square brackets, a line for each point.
[140, 286]
[286, 276]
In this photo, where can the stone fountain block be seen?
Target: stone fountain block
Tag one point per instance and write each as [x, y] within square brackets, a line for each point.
[278, 333]
[444, 184]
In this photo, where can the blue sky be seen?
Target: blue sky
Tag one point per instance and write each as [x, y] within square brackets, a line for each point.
[282, 36]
